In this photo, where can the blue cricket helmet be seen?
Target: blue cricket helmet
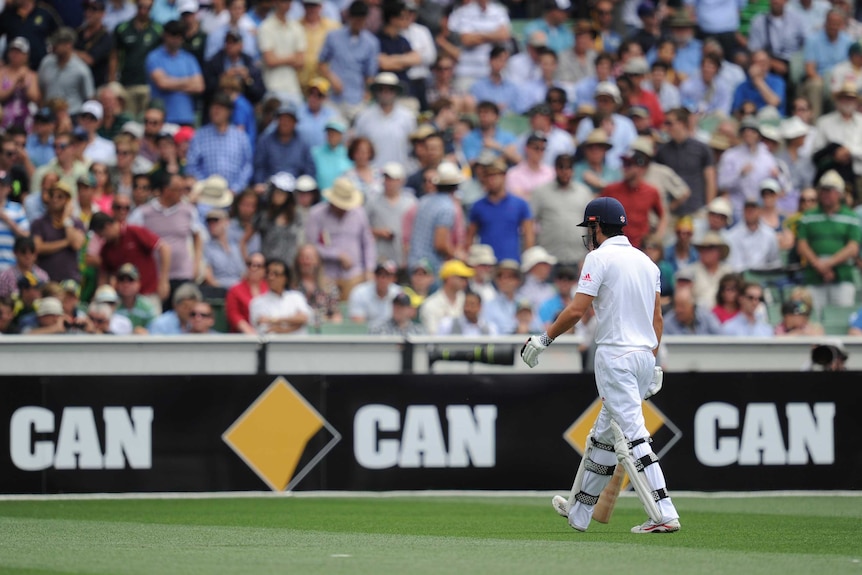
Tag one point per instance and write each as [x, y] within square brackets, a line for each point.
[604, 211]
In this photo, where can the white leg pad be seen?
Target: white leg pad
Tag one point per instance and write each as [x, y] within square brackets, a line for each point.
[594, 473]
[638, 478]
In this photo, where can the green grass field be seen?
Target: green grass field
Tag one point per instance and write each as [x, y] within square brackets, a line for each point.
[358, 536]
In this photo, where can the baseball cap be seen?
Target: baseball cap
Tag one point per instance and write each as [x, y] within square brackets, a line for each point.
[422, 264]
[608, 89]
[536, 137]
[306, 183]
[20, 43]
[48, 306]
[128, 270]
[320, 84]
[636, 66]
[455, 268]
[71, 286]
[770, 184]
[287, 110]
[184, 134]
[134, 129]
[721, 207]
[336, 125]
[29, 280]
[388, 267]
[45, 114]
[393, 170]
[106, 294]
[402, 299]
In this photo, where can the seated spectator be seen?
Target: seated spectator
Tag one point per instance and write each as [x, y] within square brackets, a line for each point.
[70, 297]
[369, 302]
[307, 196]
[238, 297]
[7, 316]
[24, 250]
[688, 318]
[98, 149]
[719, 216]
[526, 319]
[553, 24]
[500, 312]
[658, 83]
[242, 116]
[50, 318]
[855, 322]
[241, 228]
[176, 320]
[107, 297]
[796, 320]
[470, 322]
[704, 93]
[743, 167]
[593, 170]
[132, 305]
[40, 141]
[442, 86]
[279, 310]
[579, 61]
[712, 252]
[421, 281]
[401, 320]
[364, 173]
[202, 319]
[316, 113]
[536, 266]
[448, 301]
[489, 135]
[224, 262]
[279, 226]
[565, 281]
[241, 25]
[13, 223]
[531, 172]
[494, 87]
[320, 292]
[753, 244]
[728, 297]
[748, 322]
[29, 289]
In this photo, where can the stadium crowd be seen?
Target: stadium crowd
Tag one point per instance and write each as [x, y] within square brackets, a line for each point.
[418, 166]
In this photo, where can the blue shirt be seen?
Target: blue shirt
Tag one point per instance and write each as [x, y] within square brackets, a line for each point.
[273, 156]
[693, 93]
[472, 143]
[549, 310]
[826, 54]
[179, 106]
[166, 324]
[499, 224]
[715, 16]
[330, 163]
[505, 94]
[40, 154]
[312, 127]
[352, 59]
[855, 319]
[747, 92]
[500, 312]
[163, 11]
[432, 212]
[740, 326]
[225, 153]
[560, 37]
[15, 212]
[243, 115]
[688, 57]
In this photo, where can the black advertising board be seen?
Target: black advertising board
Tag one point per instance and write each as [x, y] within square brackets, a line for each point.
[395, 432]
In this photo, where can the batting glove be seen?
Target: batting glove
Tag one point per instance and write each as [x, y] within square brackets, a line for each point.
[657, 379]
[534, 347]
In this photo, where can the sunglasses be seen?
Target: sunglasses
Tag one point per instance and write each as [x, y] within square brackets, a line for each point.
[752, 297]
[254, 265]
[151, 121]
[120, 207]
[200, 314]
[99, 320]
[122, 279]
[10, 153]
[124, 152]
[61, 146]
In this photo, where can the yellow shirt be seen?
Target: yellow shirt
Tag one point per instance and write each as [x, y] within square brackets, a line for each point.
[314, 37]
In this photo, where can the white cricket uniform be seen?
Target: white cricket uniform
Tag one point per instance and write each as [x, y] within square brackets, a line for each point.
[623, 282]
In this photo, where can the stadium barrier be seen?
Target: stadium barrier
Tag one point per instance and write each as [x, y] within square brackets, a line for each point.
[211, 432]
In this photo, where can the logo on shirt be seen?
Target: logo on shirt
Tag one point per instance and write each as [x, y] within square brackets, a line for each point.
[587, 278]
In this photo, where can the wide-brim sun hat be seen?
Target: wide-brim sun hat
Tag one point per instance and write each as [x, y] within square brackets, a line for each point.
[343, 194]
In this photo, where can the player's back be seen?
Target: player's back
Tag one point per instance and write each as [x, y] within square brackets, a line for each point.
[624, 282]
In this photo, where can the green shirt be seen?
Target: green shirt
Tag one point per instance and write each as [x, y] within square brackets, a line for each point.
[140, 314]
[826, 235]
[132, 47]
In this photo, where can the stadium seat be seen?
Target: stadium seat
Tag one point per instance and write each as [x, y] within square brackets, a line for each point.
[514, 123]
[219, 315]
[773, 313]
[834, 319]
[346, 328]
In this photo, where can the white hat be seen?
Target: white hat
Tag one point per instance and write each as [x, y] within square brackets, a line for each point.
[20, 43]
[481, 255]
[448, 174]
[534, 256]
[386, 79]
[306, 183]
[794, 127]
[720, 206]
[770, 184]
[106, 294]
[831, 179]
[186, 6]
[48, 306]
[343, 194]
[608, 89]
[284, 181]
[213, 192]
[133, 129]
[770, 132]
[393, 170]
[637, 66]
[93, 107]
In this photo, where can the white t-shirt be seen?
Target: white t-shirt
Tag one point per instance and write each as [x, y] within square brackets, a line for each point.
[624, 282]
[271, 305]
[474, 62]
[284, 39]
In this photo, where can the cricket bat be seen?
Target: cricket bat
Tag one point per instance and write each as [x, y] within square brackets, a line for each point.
[608, 498]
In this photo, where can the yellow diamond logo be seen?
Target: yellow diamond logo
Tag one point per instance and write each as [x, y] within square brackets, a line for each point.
[274, 432]
[576, 434]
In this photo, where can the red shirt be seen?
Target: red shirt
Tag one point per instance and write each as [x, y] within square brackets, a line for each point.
[136, 245]
[650, 101]
[638, 203]
[237, 300]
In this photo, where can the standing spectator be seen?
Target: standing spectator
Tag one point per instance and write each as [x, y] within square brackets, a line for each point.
[748, 322]
[707, 272]
[330, 158]
[371, 302]
[24, 250]
[177, 223]
[239, 297]
[668, 94]
[743, 167]
[282, 149]
[761, 87]
[551, 205]
[132, 305]
[348, 60]
[239, 24]
[116, 12]
[638, 198]
[194, 38]
[34, 21]
[13, 223]
[224, 262]
[689, 158]
[781, 32]
[386, 123]
[719, 19]
[280, 226]
[553, 24]
[40, 142]
[753, 244]
[422, 42]
[593, 169]
[481, 24]
[19, 86]
[279, 310]
[340, 230]
[531, 172]
[386, 214]
[448, 301]
[58, 236]
[176, 320]
[495, 88]
[828, 241]
[220, 148]
[282, 48]
[133, 41]
[536, 269]
[501, 219]
[823, 50]
[435, 223]
[174, 76]
[94, 42]
[401, 320]
[704, 93]
[63, 74]
[396, 55]
[621, 131]
[316, 27]
[232, 61]
[315, 113]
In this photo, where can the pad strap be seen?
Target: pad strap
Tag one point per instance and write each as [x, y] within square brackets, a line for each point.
[659, 494]
[598, 468]
[636, 442]
[643, 462]
[602, 446]
[586, 498]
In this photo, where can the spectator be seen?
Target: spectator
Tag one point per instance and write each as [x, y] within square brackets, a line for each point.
[194, 38]
[58, 236]
[231, 61]
[321, 293]
[280, 227]
[578, 62]
[637, 197]
[29, 290]
[116, 12]
[243, 116]
[102, 312]
[435, 151]
[131, 304]
[396, 54]
[501, 311]
[743, 167]
[481, 258]
[340, 230]
[369, 302]
[653, 247]
[279, 310]
[201, 319]
[531, 172]
[714, 18]
[401, 321]
[536, 269]
[523, 67]
[501, 219]
[812, 13]
[558, 141]
[176, 320]
[19, 86]
[13, 223]
[435, 222]
[762, 88]
[494, 87]
[681, 253]
[828, 241]
[565, 282]
[489, 135]
[386, 123]
[241, 229]
[470, 323]
[174, 76]
[836, 142]
[704, 93]
[240, 24]
[635, 72]
[448, 301]
[282, 150]
[367, 177]
[823, 50]
[795, 133]
[719, 216]
[133, 41]
[85, 207]
[658, 83]
[154, 123]
[442, 86]
[240, 295]
[748, 322]
[224, 262]
[689, 318]
[316, 113]
[98, 149]
[177, 223]
[854, 321]
[620, 129]
[553, 24]
[40, 142]
[24, 250]
[34, 21]
[165, 11]
[712, 252]
[50, 318]
[796, 320]
[730, 291]
[481, 24]
[780, 32]
[94, 42]
[282, 47]
[849, 70]
[220, 148]
[317, 26]
[585, 89]
[63, 74]
[386, 215]
[648, 31]
[753, 244]
[690, 159]
[535, 90]
[7, 316]
[331, 158]
[113, 97]
[593, 169]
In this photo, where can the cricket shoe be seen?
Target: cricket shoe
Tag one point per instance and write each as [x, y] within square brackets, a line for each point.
[561, 505]
[650, 526]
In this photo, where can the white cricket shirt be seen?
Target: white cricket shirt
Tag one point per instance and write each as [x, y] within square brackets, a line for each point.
[624, 281]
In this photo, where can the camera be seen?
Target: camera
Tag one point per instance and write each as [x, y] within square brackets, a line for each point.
[831, 357]
[490, 354]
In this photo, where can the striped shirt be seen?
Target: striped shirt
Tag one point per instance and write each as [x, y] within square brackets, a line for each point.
[227, 154]
[15, 212]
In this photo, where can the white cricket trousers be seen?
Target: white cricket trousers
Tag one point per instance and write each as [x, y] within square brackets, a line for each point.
[622, 377]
